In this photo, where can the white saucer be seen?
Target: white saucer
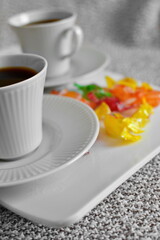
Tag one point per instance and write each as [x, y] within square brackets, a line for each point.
[69, 130]
[85, 64]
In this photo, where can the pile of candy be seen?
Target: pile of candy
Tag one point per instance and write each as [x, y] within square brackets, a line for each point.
[123, 107]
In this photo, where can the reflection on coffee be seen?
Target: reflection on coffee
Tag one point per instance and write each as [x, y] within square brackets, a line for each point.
[44, 21]
[12, 75]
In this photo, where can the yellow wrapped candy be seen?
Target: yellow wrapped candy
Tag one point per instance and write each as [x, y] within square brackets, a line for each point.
[102, 110]
[127, 136]
[121, 128]
[130, 82]
[110, 82]
[146, 86]
[124, 128]
[143, 113]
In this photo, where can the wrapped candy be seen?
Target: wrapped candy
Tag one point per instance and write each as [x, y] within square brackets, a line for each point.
[98, 91]
[123, 107]
[124, 128]
[99, 95]
[130, 82]
[128, 92]
[102, 111]
[117, 127]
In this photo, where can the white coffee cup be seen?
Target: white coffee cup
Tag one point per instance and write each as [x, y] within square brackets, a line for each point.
[21, 107]
[56, 41]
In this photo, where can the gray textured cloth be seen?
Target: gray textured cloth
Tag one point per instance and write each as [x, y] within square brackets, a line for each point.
[128, 31]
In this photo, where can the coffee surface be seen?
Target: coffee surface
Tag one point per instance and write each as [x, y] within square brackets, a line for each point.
[12, 75]
[43, 21]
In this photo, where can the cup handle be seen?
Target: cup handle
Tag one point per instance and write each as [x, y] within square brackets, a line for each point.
[77, 40]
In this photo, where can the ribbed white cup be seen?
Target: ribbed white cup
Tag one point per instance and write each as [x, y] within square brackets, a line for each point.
[21, 108]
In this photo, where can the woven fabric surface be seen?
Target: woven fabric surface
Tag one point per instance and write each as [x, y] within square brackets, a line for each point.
[127, 31]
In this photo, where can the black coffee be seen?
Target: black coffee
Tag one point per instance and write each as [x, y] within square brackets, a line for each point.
[44, 21]
[12, 75]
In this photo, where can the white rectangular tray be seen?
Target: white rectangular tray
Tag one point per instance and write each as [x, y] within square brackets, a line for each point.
[65, 197]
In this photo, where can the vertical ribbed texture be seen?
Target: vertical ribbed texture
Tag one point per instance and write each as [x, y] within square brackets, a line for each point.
[21, 119]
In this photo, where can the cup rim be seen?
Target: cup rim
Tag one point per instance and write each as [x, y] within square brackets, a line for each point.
[28, 80]
[11, 20]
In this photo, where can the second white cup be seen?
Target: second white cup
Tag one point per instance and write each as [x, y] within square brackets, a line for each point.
[51, 34]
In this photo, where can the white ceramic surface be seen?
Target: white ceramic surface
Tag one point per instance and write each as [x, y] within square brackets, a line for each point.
[21, 108]
[87, 65]
[65, 197]
[56, 41]
[69, 129]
